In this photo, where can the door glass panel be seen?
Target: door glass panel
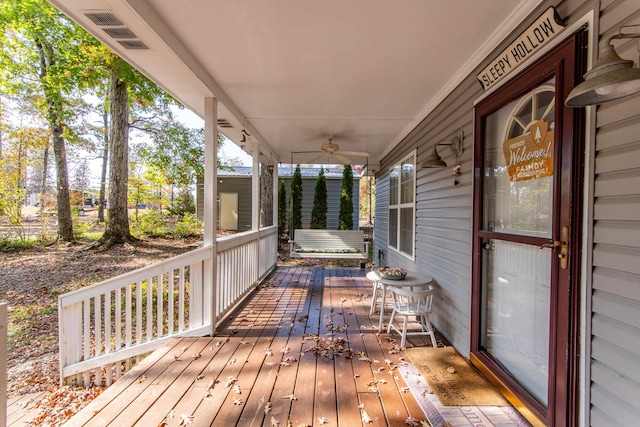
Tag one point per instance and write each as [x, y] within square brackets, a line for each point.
[515, 318]
[518, 165]
[518, 186]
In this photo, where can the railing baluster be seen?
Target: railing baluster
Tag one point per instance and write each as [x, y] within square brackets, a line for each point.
[86, 340]
[149, 308]
[159, 304]
[139, 337]
[170, 285]
[128, 326]
[97, 334]
[118, 327]
[181, 299]
[107, 322]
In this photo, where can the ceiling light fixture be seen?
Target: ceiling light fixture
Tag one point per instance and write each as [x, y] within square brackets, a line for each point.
[610, 78]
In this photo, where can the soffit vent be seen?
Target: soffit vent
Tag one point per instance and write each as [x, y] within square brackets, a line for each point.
[133, 44]
[224, 123]
[115, 28]
[120, 33]
[104, 18]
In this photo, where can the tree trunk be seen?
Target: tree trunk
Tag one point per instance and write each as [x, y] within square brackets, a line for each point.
[117, 231]
[105, 159]
[43, 183]
[266, 196]
[65, 222]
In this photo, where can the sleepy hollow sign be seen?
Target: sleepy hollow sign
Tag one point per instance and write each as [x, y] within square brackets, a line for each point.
[530, 155]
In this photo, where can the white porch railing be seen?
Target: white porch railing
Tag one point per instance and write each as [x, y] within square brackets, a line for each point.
[106, 327]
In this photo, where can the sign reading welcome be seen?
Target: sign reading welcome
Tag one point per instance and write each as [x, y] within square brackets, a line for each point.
[530, 155]
[537, 35]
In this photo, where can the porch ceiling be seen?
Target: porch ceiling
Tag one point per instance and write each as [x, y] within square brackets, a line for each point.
[293, 72]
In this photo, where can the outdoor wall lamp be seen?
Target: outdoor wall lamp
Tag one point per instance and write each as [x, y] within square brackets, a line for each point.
[435, 161]
[244, 135]
[610, 78]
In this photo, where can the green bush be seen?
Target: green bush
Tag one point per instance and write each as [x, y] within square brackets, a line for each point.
[188, 226]
[150, 223]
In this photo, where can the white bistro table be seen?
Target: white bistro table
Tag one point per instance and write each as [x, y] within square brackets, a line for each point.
[412, 279]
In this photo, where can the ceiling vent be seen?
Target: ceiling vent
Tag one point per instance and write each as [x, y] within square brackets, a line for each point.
[103, 18]
[224, 123]
[115, 28]
[133, 44]
[120, 33]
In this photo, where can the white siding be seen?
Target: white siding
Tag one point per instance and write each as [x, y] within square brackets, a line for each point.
[615, 319]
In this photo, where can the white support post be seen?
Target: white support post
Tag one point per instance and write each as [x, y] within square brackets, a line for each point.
[275, 190]
[210, 204]
[255, 186]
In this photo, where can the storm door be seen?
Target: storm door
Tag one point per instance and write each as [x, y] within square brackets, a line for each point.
[525, 230]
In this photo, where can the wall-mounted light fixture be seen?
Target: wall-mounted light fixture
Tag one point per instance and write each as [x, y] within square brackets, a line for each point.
[610, 78]
[435, 161]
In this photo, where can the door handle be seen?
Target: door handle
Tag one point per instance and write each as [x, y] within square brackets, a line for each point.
[563, 244]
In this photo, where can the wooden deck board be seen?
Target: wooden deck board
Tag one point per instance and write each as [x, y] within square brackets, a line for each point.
[306, 307]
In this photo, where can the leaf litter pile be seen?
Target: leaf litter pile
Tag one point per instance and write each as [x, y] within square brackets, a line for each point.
[30, 282]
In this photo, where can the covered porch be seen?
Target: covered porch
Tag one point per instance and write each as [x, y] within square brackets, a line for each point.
[302, 349]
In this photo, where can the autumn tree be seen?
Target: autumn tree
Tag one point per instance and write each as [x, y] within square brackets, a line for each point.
[319, 211]
[345, 217]
[44, 59]
[296, 201]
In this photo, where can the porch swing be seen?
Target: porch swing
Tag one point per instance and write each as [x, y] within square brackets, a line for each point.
[328, 244]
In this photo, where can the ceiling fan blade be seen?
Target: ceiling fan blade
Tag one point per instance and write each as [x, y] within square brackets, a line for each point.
[343, 159]
[354, 153]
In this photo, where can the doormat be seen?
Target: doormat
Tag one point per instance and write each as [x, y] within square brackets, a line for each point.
[452, 379]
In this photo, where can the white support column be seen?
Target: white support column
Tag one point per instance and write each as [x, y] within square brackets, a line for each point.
[255, 186]
[276, 188]
[210, 204]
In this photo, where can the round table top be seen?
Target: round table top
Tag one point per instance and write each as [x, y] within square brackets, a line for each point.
[412, 279]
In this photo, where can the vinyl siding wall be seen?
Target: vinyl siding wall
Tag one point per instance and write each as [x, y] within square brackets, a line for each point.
[615, 317]
[611, 284]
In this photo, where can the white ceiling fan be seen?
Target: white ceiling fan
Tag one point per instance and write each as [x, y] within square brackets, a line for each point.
[333, 150]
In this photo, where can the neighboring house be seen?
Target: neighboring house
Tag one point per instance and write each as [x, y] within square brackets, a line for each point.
[234, 196]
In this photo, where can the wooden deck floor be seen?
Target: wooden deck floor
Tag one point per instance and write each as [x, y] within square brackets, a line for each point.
[303, 346]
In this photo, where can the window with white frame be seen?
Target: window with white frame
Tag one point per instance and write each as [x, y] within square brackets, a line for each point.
[402, 190]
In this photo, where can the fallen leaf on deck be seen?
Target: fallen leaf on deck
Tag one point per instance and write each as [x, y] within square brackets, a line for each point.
[142, 378]
[411, 421]
[274, 422]
[185, 419]
[290, 397]
[237, 401]
[231, 381]
[267, 407]
[323, 420]
[236, 389]
[451, 370]
[171, 414]
[366, 418]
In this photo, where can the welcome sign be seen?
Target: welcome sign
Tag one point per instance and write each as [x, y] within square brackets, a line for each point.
[537, 35]
[530, 155]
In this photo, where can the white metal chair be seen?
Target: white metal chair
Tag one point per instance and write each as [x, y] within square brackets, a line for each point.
[412, 302]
